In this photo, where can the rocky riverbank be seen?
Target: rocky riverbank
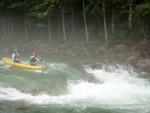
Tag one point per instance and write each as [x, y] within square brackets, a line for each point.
[135, 53]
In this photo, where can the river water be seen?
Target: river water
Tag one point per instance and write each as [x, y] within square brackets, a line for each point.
[67, 86]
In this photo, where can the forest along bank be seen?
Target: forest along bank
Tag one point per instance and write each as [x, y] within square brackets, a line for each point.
[127, 51]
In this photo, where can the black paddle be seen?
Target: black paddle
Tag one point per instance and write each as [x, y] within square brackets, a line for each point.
[42, 60]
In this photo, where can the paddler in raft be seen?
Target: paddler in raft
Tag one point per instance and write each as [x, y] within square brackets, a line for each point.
[15, 56]
[33, 59]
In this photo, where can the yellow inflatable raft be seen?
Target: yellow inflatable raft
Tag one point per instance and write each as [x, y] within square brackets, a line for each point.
[23, 66]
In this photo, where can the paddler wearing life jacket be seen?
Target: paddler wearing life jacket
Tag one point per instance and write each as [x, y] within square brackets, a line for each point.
[33, 59]
[15, 56]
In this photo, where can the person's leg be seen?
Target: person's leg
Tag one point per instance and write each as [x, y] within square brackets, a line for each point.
[16, 61]
[32, 63]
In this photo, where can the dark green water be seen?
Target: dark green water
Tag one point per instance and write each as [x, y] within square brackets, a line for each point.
[67, 86]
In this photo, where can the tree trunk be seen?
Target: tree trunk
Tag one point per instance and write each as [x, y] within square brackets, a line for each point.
[12, 28]
[72, 23]
[130, 16]
[26, 30]
[113, 21]
[105, 27]
[98, 21]
[58, 34]
[8, 28]
[49, 30]
[26, 33]
[4, 28]
[63, 20]
[85, 24]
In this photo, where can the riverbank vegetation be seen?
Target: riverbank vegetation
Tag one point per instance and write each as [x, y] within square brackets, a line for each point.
[66, 20]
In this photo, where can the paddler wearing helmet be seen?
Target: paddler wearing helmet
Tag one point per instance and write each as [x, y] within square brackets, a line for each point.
[15, 56]
[33, 59]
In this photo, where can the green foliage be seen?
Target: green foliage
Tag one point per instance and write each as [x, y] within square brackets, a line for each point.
[17, 6]
[94, 7]
[143, 9]
[121, 30]
[94, 31]
[37, 12]
[1, 5]
[143, 15]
